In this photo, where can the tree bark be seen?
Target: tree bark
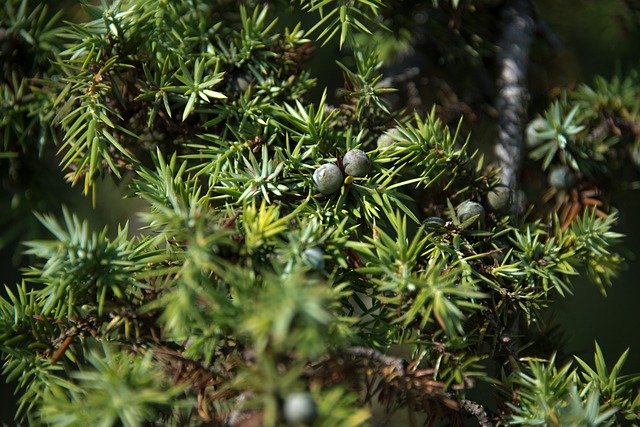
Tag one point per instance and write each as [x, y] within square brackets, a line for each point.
[513, 97]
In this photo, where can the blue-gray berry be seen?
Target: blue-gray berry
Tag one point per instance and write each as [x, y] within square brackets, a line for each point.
[328, 178]
[468, 209]
[500, 198]
[300, 408]
[314, 258]
[356, 163]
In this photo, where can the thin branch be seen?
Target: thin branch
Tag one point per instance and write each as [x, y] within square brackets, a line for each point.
[369, 353]
[478, 411]
[511, 103]
[400, 365]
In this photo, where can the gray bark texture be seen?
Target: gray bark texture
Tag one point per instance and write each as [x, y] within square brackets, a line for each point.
[477, 411]
[511, 103]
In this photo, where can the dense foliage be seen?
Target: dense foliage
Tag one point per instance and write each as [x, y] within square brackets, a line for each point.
[264, 280]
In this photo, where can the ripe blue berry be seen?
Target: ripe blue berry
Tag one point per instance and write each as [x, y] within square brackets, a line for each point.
[314, 258]
[327, 178]
[356, 163]
[500, 198]
[468, 209]
[300, 408]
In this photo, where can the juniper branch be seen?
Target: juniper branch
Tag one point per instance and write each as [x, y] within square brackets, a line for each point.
[369, 353]
[478, 411]
[400, 366]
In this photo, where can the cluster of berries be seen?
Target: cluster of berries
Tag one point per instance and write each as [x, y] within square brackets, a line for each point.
[328, 178]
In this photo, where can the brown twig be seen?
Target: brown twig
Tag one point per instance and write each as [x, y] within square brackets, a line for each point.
[63, 347]
[81, 328]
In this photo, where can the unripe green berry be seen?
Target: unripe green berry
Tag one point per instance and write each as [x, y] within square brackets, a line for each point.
[562, 178]
[327, 178]
[500, 198]
[387, 138]
[314, 258]
[356, 163]
[300, 408]
[468, 209]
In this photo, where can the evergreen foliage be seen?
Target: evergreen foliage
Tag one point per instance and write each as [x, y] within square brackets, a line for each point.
[246, 285]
